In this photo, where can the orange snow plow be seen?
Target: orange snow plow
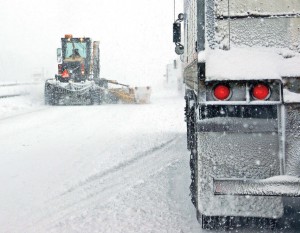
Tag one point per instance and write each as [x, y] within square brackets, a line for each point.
[128, 95]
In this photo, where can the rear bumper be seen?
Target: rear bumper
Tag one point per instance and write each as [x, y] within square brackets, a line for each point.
[241, 160]
[276, 186]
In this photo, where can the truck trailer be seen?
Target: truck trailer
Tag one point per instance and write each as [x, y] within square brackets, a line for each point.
[242, 92]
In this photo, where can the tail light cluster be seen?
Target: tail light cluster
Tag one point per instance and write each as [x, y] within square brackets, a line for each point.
[222, 92]
[261, 91]
[258, 91]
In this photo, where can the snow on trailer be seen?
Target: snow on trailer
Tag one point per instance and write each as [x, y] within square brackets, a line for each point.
[242, 78]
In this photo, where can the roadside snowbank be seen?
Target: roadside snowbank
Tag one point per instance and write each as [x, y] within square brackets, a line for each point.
[21, 104]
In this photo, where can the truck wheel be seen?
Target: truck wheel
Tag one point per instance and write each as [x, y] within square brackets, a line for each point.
[95, 97]
[262, 223]
[190, 116]
[230, 223]
[112, 99]
[217, 222]
[46, 99]
[187, 120]
[210, 222]
[48, 95]
[193, 157]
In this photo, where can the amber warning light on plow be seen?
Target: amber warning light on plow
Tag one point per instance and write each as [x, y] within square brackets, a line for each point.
[68, 36]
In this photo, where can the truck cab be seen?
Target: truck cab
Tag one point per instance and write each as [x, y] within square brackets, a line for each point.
[76, 57]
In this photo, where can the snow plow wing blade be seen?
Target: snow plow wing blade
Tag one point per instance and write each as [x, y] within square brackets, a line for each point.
[275, 186]
[137, 95]
[142, 95]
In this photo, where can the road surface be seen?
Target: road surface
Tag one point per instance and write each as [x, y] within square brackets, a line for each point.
[109, 168]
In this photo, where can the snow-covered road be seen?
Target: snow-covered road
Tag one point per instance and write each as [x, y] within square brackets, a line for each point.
[109, 168]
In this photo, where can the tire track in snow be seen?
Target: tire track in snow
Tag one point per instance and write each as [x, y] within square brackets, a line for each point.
[102, 187]
[122, 165]
[23, 114]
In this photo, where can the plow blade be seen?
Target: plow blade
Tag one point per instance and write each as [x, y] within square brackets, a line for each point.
[137, 95]
[142, 94]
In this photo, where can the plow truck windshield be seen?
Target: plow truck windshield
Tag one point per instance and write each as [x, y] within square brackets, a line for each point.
[76, 49]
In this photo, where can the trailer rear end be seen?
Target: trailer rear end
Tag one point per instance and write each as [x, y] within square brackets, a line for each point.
[242, 76]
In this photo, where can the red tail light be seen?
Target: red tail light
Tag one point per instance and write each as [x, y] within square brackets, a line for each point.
[65, 74]
[59, 68]
[261, 91]
[82, 68]
[222, 92]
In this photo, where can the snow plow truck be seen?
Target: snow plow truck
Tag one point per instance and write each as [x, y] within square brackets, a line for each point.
[242, 90]
[78, 80]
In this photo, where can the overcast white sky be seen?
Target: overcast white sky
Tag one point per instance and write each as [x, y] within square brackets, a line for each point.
[135, 36]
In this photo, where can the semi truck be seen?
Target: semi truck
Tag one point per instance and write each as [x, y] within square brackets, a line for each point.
[78, 80]
[242, 91]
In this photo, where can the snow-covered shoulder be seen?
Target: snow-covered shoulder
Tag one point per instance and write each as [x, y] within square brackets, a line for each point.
[251, 63]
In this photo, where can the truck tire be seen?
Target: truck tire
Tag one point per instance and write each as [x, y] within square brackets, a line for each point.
[190, 117]
[193, 157]
[232, 223]
[46, 98]
[112, 99]
[95, 97]
[261, 223]
[218, 222]
[187, 120]
[48, 95]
